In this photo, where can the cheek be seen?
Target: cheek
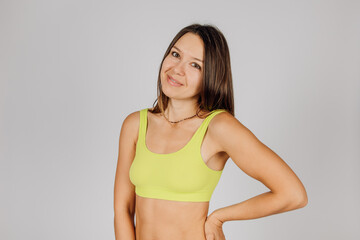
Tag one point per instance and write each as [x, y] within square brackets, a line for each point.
[196, 75]
[167, 63]
[196, 80]
[164, 66]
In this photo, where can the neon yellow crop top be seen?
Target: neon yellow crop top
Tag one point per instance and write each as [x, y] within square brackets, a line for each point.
[177, 176]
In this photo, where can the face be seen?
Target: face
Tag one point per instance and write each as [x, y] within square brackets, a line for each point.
[184, 65]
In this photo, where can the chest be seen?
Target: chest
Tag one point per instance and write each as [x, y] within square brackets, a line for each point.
[165, 140]
[160, 139]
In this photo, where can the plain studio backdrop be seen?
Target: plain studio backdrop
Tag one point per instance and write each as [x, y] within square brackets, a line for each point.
[72, 70]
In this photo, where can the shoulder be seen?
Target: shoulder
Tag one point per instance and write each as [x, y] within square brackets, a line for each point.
[132, 119]
[223, 121]
[224, 126]
[130, 126]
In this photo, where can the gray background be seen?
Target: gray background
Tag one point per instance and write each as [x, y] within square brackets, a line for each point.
[72, 70]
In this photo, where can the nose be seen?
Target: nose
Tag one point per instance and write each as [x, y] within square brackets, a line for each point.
[179, 68]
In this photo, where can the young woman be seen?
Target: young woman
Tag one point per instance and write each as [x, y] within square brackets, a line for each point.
[171, 156]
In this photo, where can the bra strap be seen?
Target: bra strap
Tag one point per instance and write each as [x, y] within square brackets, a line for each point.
[143, 123]
[205, 124]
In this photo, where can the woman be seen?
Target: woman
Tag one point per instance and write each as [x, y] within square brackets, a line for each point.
[172, 156]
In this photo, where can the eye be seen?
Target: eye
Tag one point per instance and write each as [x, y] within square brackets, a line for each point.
[172, 53]
[197, 66]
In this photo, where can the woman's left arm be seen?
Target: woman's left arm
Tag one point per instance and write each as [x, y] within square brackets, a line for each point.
[260, 162]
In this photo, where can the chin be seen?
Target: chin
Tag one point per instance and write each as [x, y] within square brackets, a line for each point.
[168, 93]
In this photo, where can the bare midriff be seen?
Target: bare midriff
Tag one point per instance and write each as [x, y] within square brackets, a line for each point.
[158, 219]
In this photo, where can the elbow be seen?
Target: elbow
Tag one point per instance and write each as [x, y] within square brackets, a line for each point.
[299, 197]
[303, 201]
[294, 199]
[299, 200]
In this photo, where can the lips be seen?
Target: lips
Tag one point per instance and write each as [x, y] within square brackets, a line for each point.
[173, 81]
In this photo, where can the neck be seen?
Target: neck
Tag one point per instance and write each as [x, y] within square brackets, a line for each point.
[180, 109]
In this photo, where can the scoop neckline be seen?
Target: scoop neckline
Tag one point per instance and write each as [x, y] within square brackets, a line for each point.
[181, 149]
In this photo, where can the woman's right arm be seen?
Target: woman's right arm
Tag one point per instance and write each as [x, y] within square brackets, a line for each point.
[124, 190]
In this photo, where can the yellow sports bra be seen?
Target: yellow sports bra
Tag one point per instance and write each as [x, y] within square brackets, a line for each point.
[177, 176]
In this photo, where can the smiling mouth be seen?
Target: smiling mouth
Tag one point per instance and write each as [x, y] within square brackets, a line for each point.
[173, 82]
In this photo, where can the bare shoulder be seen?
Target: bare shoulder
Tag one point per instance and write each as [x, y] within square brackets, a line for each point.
[224, 121]
[130, 126]
[223, 127]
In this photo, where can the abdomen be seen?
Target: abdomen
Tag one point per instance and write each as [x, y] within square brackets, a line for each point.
[158, 219]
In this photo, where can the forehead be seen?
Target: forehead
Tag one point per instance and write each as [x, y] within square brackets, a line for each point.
[191, 44]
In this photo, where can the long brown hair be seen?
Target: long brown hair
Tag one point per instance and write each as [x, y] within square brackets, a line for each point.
[217, 87]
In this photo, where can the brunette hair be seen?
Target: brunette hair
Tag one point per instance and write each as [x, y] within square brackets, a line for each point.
[217, 87]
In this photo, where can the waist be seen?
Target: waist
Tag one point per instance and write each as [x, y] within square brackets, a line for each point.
[163, 219]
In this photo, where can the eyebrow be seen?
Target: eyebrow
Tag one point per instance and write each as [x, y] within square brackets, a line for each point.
[193, 57]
